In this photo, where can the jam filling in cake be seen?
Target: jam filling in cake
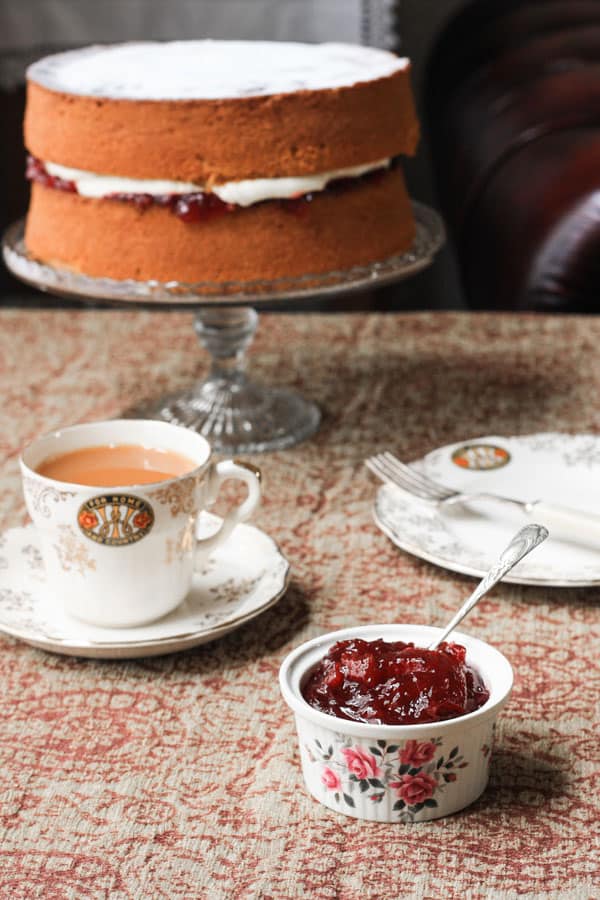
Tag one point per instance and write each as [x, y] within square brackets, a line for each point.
[192, 203]
[131, 143]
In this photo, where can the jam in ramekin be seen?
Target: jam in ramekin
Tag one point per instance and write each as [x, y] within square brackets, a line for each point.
[394, 683]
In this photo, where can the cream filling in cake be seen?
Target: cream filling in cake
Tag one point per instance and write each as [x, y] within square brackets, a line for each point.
[240, 193]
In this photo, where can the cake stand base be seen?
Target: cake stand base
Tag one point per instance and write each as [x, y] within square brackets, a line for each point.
[243, 417]
[232, 412]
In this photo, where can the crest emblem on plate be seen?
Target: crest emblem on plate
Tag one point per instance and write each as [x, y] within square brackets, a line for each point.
[115, 520]
[480, 457]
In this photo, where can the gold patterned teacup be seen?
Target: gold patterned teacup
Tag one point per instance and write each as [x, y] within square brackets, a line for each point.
[125, 555]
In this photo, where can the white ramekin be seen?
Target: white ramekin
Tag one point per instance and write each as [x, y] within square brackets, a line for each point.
[396, 773]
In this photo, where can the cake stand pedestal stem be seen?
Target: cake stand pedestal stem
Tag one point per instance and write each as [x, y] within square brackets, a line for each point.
[231, 411]
[226, 334]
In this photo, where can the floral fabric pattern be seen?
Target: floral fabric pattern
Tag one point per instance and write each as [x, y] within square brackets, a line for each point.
[215, 806]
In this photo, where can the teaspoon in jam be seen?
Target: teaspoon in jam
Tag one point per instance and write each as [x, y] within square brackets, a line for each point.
[526, 540]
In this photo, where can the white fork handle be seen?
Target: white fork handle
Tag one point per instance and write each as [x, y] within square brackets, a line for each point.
[566, 523]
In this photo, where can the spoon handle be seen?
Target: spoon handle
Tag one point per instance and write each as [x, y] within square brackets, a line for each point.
[526, 540]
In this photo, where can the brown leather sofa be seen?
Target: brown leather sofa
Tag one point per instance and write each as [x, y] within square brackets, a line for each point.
[512, 107]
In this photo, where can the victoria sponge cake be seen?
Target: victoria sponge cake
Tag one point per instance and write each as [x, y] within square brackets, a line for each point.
[218, 161]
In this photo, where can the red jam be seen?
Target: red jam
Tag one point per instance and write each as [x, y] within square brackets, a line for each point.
[196, 207]
[36, 171]
[199, 206]
[393, 683]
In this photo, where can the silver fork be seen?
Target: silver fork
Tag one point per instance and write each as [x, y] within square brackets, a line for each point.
[563, 521]
[388, 468]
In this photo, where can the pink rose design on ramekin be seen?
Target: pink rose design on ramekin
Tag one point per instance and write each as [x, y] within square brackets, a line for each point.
[415, 789]
[330, 779]
[360, 763]
[417, 754]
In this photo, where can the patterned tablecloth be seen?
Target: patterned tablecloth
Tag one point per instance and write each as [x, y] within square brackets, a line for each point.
[179, 776]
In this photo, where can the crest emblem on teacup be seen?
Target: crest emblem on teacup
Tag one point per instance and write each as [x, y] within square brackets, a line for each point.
[115, 519]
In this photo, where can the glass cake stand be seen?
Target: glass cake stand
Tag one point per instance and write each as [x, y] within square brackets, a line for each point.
[234, 413]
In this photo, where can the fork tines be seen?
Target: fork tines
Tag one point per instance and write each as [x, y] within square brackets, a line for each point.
[388, 468]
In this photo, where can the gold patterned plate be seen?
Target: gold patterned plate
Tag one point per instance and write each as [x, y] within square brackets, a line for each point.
[558, 468]
[246, 575]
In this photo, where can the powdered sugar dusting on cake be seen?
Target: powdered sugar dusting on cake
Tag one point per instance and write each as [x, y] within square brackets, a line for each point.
[208, 70]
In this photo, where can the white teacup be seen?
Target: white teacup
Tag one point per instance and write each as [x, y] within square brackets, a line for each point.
[125, 555]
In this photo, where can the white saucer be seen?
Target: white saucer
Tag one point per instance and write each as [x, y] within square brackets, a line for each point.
[563, 468]
[247, 574]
